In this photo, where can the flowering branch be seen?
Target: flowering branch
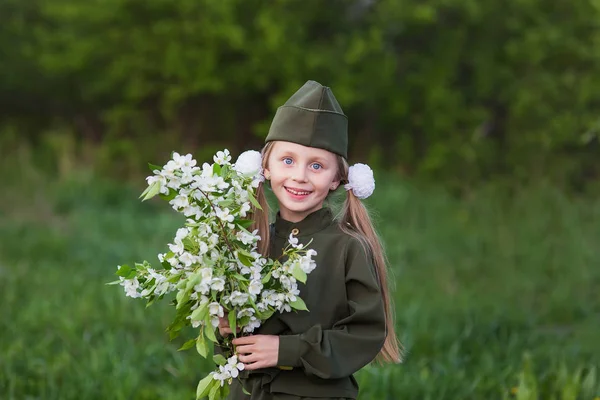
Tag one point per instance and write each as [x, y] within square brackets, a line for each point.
[219, 221]
[213, 273]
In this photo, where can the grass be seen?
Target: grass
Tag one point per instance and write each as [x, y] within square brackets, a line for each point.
[495, 294]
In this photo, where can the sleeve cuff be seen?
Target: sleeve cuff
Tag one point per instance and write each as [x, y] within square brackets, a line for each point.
[291, 349]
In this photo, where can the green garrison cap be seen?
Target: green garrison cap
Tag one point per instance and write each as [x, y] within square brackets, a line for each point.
[312, 117]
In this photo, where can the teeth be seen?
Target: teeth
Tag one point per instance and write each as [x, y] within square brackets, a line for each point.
[297, 193]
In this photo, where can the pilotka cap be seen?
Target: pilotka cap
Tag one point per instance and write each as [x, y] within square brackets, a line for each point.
[312, 117]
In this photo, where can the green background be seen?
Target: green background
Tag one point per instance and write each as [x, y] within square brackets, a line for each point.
[480, 120]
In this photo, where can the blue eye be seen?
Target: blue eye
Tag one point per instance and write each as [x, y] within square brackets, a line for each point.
[317, 166]
[287, 161]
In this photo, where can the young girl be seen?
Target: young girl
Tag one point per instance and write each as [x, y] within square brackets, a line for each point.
[313, 354]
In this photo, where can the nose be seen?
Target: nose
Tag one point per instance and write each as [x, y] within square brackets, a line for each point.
[299, 174]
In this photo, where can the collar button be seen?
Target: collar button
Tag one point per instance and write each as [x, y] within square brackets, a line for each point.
[295, 231]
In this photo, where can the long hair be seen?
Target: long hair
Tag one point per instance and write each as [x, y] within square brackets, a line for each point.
[261, 217]
[355, 221]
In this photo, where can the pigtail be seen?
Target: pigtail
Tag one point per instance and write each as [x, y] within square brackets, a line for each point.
[355, 221]
[261, 217]
[261, 220]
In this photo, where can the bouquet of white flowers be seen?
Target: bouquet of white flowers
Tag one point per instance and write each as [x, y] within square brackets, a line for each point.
[213, 263]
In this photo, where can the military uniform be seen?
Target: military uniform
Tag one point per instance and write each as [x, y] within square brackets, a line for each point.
[345, 326]
[343, 330]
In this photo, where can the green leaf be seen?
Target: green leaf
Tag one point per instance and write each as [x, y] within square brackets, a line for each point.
[219, 359]
[225, 203]
[264, 315]
[266, 278]
[244, 259]
[209, 331]
[153, 167]
[216, 169]
[151, 191]
[241, 277]
[254, 201]
[299, 274]
[189, 244]
[124, 271]
[187, 345]
[199, 313]
[204, 386]
[151, 301]
[193, 280]
[182, 298]
[244, 321]
[224, 391]
[201, 346]
[232, 321]
[298, 304]
[224, 170]
[214, 392]
[244, 223]
[170, 196]
[245, 391]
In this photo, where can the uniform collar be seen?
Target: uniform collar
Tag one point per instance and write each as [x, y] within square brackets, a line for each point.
[312, 223]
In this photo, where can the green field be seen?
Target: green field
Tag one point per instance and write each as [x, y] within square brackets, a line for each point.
[496, 294]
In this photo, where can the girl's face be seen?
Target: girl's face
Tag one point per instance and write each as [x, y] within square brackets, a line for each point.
[301, 178]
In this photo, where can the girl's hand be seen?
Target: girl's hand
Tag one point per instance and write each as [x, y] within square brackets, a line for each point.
[257, 351]
[224, 328]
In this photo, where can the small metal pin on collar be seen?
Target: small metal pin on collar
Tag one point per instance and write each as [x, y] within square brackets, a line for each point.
[295, 231]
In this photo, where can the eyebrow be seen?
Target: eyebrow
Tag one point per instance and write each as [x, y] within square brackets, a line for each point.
[313, 158]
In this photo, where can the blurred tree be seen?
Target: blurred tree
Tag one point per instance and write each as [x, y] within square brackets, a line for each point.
[458, 90]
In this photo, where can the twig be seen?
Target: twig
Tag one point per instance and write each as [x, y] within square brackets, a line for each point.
[219, 220]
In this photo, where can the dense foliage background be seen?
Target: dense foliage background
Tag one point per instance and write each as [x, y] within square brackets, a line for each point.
[481, 121]
[459, 90]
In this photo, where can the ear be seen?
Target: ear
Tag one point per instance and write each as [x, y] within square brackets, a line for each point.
[267, 173]
[334, 185]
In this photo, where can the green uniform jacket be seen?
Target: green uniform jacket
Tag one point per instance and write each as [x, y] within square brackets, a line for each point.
[344, 328]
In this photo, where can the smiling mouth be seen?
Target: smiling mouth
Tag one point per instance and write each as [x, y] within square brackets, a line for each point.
[297, 192]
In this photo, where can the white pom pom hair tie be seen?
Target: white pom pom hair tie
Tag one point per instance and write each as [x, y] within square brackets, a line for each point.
[360, 180]
[250, 163]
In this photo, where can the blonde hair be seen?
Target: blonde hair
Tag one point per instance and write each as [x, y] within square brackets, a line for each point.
[354, 221]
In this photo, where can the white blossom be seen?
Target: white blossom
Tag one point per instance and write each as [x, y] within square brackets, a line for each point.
[246, 312]
[233, 366]
[244, 209]
[183, 161]
[238, 298]
[187, 258]
[217, 284]
[180, 201]
[131, 287]
[255, 287]
[247, 237]
[222, 157]
[224, 214]
[215, 308]
[253, 324]
[293, 241]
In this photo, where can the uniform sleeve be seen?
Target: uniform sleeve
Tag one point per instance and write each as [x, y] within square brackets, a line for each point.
[353, 341]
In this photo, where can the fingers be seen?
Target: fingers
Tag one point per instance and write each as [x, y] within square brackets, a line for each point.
[246, 340]
[255, 365]
[224, 328]
[225, 331]
[223, 322]
[245, 349]
[250, 358]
